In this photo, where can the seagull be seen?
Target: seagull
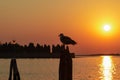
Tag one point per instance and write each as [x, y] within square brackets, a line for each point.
[66, 40]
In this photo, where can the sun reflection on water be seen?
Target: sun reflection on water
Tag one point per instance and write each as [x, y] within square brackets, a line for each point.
[107, 68]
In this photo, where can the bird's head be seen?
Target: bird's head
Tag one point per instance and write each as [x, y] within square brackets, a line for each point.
[61, 34]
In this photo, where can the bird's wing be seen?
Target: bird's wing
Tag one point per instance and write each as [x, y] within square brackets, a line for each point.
[67, 38]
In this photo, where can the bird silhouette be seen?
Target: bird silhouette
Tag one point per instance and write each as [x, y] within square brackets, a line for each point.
[66, 40]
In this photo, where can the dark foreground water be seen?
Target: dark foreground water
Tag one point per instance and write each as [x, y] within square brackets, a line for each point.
[84, 68]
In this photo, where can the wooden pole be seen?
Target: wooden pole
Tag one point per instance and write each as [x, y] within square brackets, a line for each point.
[10, 74]
[14, 71]
[65, 67]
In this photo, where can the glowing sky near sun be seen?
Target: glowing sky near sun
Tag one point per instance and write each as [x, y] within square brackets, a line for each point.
[41, 21]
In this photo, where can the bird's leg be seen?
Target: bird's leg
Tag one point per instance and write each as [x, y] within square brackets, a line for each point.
[63, 48]
[64, 45]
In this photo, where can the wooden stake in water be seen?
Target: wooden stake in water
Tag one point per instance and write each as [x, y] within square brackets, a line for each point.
[14, 71]
[65, 67]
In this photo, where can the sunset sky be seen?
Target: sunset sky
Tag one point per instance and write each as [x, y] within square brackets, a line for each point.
[41, 21]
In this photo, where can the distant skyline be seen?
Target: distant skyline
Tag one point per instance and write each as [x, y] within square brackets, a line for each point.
[41, 21]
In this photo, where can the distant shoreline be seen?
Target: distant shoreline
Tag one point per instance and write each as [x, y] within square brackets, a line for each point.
[77, 56]
[15, 50]
[54, 57]
[32, 55]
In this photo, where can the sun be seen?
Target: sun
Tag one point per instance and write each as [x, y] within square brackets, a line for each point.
[107, 28]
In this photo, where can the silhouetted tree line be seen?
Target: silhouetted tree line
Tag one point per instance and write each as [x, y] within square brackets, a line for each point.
[13, 49]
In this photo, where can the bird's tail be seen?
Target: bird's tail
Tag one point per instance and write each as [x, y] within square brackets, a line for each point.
[73, 42]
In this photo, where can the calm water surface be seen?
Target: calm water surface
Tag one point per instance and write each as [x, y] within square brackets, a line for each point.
[84, 68]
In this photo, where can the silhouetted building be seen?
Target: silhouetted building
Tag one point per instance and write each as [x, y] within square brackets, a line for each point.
[15, 50]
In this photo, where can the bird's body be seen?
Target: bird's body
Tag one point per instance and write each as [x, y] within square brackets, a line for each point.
[66, 40]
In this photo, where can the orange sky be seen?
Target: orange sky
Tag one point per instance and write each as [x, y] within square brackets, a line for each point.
[41, 21]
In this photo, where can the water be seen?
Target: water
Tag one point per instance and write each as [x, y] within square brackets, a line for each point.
[84, 68]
